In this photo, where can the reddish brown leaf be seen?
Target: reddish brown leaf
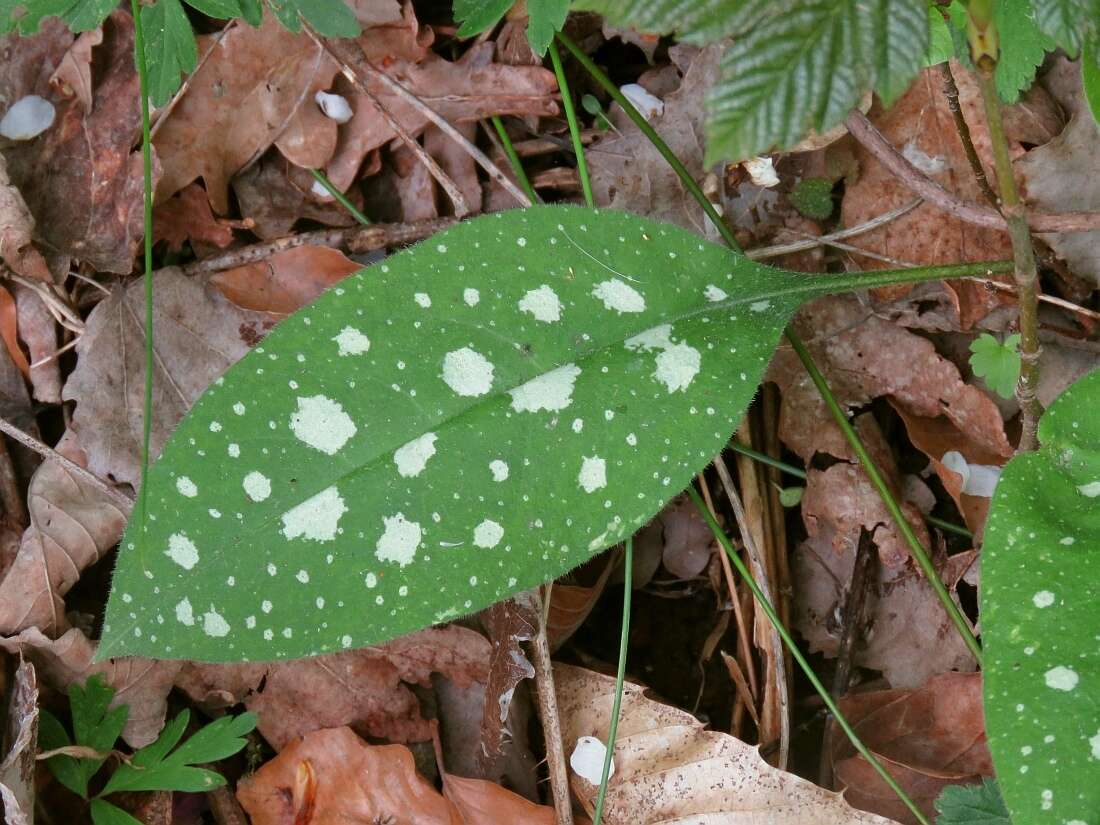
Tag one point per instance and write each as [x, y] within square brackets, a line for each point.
[73, 78]
[38, 330]
[274, 194]
[285, 281]
[928, 738]
[509, 623]
[484, 803]
[186, 216]
[9, 331]
[16, 231]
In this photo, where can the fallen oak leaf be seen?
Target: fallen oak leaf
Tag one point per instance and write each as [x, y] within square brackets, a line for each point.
[667, 766]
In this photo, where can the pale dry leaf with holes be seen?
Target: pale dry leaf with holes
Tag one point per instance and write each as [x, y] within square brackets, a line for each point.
[18, 741]
[285, 281]
[199, 335]
[928, 738]
[73, 525]
[921, 126]
[365, 689]
[332, 776]
[629, 173]
[141, 684]
[669, 768]
[81, 178]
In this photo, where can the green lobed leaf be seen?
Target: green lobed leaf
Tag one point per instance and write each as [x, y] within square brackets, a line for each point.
[699, 21]
[330, 18]
[170, 49]
[95, 725]
[1039, 597]
[979, 804]
[1023, 47]
[1067, 22]
[25, 16]
[477, 16]
[545, 18]
[997, 363]
[104, 813]
[66, 769]
[467, 419]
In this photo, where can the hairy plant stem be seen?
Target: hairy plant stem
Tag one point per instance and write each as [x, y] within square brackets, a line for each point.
[620, 678]
[147, 244]
[839, 415]
[1024, 272]
[796, 654]
[574, 128]
[513, 159]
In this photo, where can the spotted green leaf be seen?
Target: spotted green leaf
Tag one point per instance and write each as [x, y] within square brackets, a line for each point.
[1041, 619]
[469, 418]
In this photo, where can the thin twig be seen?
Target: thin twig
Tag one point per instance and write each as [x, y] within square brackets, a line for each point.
[763, 252]
[357, 68]
[1053, 300]
[346, 54]
[920, 184]
[951, 92]
[119, 498]
[756, 562]
[352, 238]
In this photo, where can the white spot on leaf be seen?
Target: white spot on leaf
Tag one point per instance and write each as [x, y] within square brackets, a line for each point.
[488, 534]
[213, 624]
[322, 423]
[499, 470]
[423, 299]
[713, 293]
[182, 551]
[471, 296]
[1044, 598]
[257, 486]
[467, 372]
[677, 364]
[413, 457]
[352, 342]
[1090, 490]
[543, 303]
[1061, 678]
[619, 296]
[317, 518]
[184, 613]
[186, 487]
[399, 540]
[593, 474]
[552, 391]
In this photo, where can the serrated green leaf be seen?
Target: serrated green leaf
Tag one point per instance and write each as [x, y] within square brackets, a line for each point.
[95, 726]
[25, 16]
[979, 804]
[218, 9]
[1067, 22]
[1039, 596]
[545, 18]
[1023, 47]
[330, 18]
[941, 46]
[700, 21]
[170, 49]
[467, 419]
[104, 813]
[477, 16]
[997, 363]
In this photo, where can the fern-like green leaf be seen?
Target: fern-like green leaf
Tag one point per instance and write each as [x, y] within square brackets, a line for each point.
[25, 16]
[1068, 22]
[170, 49]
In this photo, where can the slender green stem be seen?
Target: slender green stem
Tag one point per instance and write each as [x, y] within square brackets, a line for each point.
[797, 472]
[654, 138]
[513, 159]
[571, 116]
[864, 280]
[147, 177]
[796, 654]
[888, 499]
[620, 678]
[340, 197]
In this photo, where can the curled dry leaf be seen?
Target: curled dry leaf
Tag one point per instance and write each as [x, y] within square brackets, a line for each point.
[927, 738]
[20, 737]
[668, 767]
[73, 77]
[81, 180]
[72, 526]
[38, 330]
[332, 776]
[199, 335]
[921, 126]
[142, 684]
[17, 231]
[285, 281]
[364, 689]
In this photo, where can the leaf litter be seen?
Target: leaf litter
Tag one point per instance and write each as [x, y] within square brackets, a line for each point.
[227, 175]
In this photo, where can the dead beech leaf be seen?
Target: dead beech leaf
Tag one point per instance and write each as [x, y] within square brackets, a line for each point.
[332, 776]
[20, 738]
[142, 684]
[285, 281]
[72, 526]
[240, 101]
[927, 738]
[364, 689]
[17, 231]
[921, 126]
[668, 767]
[80, 177]
[199, 335]
[186, 216]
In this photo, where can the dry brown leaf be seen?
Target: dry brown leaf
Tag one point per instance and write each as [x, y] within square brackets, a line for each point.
[81, 180]
[20, 737]
[186, 216]
[142, 684]
[9, 331]
[285, 281]
[199, 335]
[73, 78]
[920, 124]
[629, 173]
[38, 330]
[485, 803]
[332, 776]
[17, 231]
[274, 194]
[362, 688]
[73, 525]
[689, 542]
[508, 624]
[570, 604]
[668, 767]
[927, 738]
